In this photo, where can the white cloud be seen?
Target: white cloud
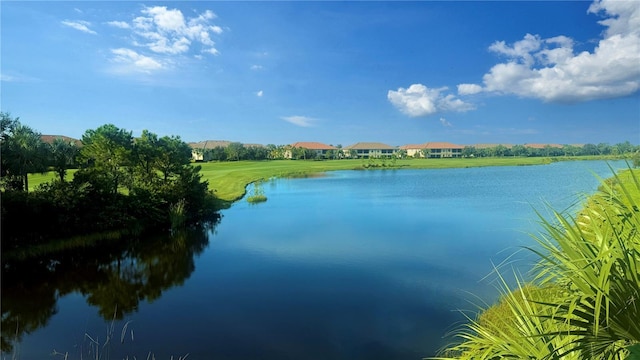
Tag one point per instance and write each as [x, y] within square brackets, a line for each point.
[216, 29]
[419, 100]
[303, 121]
[119, 24]
[130, 61]
[444, 122]
[469, 89]
[259, 93]
[256, 67]
[168, 32]
[79, 25]
[548, 69]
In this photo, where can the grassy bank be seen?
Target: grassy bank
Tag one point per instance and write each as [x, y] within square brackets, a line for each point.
[229, 179]
[583, 302]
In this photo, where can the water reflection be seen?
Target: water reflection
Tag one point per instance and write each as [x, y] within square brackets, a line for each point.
[114, 279]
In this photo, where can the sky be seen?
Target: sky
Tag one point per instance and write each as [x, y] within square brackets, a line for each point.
[266, 72]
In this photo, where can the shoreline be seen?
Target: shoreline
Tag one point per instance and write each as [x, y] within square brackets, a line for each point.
[229, 180]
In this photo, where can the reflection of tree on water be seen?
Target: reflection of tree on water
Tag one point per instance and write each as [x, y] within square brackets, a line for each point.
[110, 279]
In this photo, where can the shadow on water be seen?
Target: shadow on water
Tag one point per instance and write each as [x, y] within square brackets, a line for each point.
[114, 277]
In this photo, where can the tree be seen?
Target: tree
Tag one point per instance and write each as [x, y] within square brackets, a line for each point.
[234, 151]
[145, 154]
[106, 153]
[624, 148]
[218, 153]
[500, 150]
[604, 149]
[589, 149]
[63, 156]
[571, 150]
[519, 150]
[175, 154]
[468, 151]
[330, 154]
[400, 154]
[23, 152]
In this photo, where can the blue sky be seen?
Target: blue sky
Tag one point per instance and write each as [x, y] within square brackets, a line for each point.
[334, 72]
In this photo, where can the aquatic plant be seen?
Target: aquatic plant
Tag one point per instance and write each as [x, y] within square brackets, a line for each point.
[257, 195]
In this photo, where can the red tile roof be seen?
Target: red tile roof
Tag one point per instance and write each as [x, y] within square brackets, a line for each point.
[412, 146]
[313, 145]
[542, 146]
[486, 146]
[442, 145]
[369, 146]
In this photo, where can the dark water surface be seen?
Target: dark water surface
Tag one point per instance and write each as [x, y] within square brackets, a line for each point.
[353, 265]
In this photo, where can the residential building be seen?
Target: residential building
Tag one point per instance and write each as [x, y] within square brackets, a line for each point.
[320, 149]
[414, 150]
[369, 150]
[434, 150]
[542, 146]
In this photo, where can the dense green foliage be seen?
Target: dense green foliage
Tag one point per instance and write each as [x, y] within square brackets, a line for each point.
[122, 183]
[602, 149]
[583, 303]
[236, 151]
[23, 152]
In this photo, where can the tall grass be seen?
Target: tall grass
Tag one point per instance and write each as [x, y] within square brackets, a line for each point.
[584, 302]
[178, 214]
[257, 195]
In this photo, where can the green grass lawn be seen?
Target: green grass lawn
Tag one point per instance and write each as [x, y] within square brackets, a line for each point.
[229, 179]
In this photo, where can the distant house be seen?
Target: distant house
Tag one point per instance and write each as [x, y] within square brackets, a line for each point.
[50, 138]
[319, 148]
[198, 149]
[434, 150]
[369, 150]
[488, 146]
[414, 150]
[199, 153]
[542, 146]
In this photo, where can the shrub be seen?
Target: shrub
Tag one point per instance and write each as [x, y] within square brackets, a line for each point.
[584, 303]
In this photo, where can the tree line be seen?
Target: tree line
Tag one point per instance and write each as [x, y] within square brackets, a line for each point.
[121, 183]
[548, 150]
[237, 151]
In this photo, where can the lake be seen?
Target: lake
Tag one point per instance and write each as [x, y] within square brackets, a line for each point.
[373, 264]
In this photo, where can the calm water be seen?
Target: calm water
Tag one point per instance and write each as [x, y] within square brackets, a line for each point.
[353, 265]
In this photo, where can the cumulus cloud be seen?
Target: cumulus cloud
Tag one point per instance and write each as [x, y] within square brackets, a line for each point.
[419, 100]
[303, 121]
[256, 67]
[79, 25]
[169, 32]
[469, 89]
[131, 61]
[259, 93]
[550, 70]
